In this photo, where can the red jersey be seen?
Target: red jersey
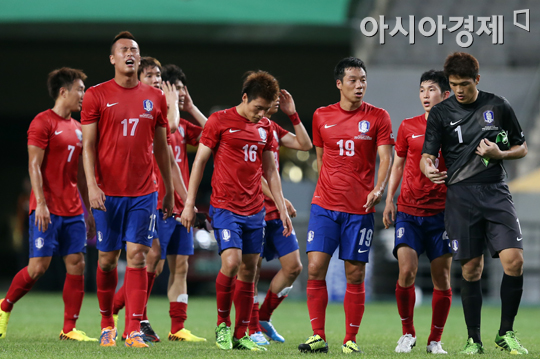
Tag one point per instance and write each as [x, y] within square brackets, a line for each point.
[419, 196]
[62, 141]
[350, 140]
[278, 132]
[127, 119]
[238, 145]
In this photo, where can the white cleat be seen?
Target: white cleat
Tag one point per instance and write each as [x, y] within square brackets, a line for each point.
[405, 343]
[435, 348]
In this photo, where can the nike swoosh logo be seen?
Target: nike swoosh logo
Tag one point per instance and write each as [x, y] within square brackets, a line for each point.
[150, 237]
[352, 325]
[231, 130]
[58, 132]
[326, 126]
[416, 136]
[404, 318]
[111, 104]
[519, 239]
[455, 123]
[313, 319]
[103, 311]
[137, 315]
[222, 311]
[245, 321]
[363, 251]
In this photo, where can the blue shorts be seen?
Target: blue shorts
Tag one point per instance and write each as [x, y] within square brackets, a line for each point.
[65, 235]
[235, 231]
[155, 230]
[351, 232]
[276, 245]
[423, 234]
[174, 237]
[127, 219]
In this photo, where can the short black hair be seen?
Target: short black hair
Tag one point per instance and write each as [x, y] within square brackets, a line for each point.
[63, 77]
[347, 63]
[438, 77]
[461, 64]
[122, 35]
[173, 73]
[260, 84]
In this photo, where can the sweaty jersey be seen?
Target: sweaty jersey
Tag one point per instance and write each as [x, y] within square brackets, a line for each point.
[350, 140]
[419, 196]
[458, 129]
[62, 141]
[127, 119]
[237, 145]
[278, 132]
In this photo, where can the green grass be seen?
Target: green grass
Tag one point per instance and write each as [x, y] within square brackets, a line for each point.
[37, 320]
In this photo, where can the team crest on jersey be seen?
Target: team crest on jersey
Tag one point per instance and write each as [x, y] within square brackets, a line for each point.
[148, 105]
[39, 243]
[400, 232]
[99, 236]
[79, 134]
[489, 117]
[310, 236]
[182, 132]
[262, 133]
[363, 126]
[455, 245]
[226, 235]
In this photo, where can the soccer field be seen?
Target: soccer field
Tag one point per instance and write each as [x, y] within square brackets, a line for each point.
[37, 320]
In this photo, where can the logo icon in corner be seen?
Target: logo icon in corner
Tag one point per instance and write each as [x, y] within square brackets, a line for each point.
[58, 132]
[262, 133]
[310, 236]
[226, 235]
[148, 105]
[99, 236]
[455, 245]
[363, 126]
[400, 232]
[39, 243]
[489, 117]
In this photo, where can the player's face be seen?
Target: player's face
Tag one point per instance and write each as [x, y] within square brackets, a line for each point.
[274, 108]
[74, 97]
[151, 76]
[430, 95]
[181, 91]
[354, 84]
[126, 57]
[255, 109]
[464, 88]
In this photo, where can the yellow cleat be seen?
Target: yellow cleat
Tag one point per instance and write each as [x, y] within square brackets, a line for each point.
[185, 335]
[135, 340]
[115, 318]
[4, 319]
[77, 335]
[108, 337]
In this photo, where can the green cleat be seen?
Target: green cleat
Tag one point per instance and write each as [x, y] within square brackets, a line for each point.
[4, 319]
[246, 343]
[224, 337]
[314, 344]
[510, 343]
[350, 347]
[472, 348]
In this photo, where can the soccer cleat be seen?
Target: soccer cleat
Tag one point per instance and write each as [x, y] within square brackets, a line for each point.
[472, 348]
[510, 343]
[435, 348]
[314, 344]
[135, 340]
[245, 343]
[108, 337]
[224, 337]
[148, 332]
[185, 335]
[259, 339]
[271, 332]
[77, 335]
[405, 343]
[4, 319]
[350, 347]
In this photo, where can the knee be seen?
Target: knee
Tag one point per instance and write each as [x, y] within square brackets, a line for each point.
[294, 271]
[315, 271]
[472, 273]
[37, 270]
[407, 276]
[181, 269]
[152, 262]
[515, 267]
[442, 281]
[107, 263]
[247, 272]
[230, 266]
[77, 268]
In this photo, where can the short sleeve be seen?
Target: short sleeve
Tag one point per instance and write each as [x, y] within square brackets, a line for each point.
[90, 112]
[402, 146]
[317, 140]
[211, 133]
[271, 143]
[192, 133]
[385, 136]
[162, 120]
[512, 126]
[169, 139]
[281, 132]
[38, 132]
[434, 129]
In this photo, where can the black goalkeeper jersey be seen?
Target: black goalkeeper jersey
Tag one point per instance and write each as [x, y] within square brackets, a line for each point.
[457, 130]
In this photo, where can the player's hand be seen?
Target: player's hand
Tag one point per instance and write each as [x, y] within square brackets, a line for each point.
[287, 224]
[433, 172]
[188, 217]
[488, 149]
[42, 217]
[168, 205]
[97, 198]
[389, 214]
[188, 102]
[286, 103]
[373, 198]
[90, 225]
[170, 95]
[290, 208]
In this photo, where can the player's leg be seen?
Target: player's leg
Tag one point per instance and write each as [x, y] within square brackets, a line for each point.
[154, 266]
[471, 299]
[441, 301]
[406, 296]
[254, 328]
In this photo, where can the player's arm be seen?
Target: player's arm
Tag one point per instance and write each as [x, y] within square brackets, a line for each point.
[427, 166]
[491, 150]
[385, 165]
[173, 113]
[42, 214]
[274, 182]
[83, 190]
[193, 110]
[320, 152]
[389, 214]
[95, 194]
[267, 192]
[178, 180]
[431, 147]
[161, 153]
[201, 158]
[300, 139]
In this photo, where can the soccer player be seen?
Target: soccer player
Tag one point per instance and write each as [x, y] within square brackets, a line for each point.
[57, 225]
[476, 131]
[121, 119]
[419, 220]
[275, 244]
[347, 136]
[241, 140]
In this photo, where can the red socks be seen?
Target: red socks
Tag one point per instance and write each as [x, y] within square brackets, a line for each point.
[21, 284]
[317, 301]
[106, 285]
[178, 313]
[254, 326]
[119, 300]
[440, 304]
[224, 297]
[354, 304]
[136, 283]
[271, 302]
[243, 303]
[73, 297]
[406, 298]
[151, 277]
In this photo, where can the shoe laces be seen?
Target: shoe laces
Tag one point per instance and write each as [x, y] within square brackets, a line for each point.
[513, 341]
